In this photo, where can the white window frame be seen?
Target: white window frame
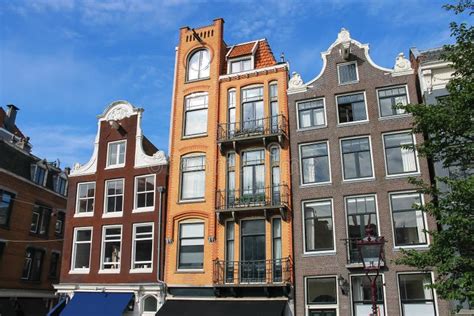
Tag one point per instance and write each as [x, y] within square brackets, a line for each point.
[422, 199]
[435, 296]
[354, 122]
[417, 161]
[191, 155]
[45, 168]
[381, 275]
[238, 59]
[188, 65]
[300, 162]
[102, 251]
[339, 76]
[84, 214]
[134, 240]
[116, 165]
[113, 214]
[308, 307]
[318, 252]
[344, 180]
[185, 112]
[302, 129]
[135, 200]
[186, 222]
[388, 117]
[74, 250]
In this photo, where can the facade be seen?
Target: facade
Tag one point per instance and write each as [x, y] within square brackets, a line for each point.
[229, 222]
[113, 237]
[350, 172]
[32, 212]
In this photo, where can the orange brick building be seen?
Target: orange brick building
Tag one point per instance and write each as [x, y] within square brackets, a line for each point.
[228, 227]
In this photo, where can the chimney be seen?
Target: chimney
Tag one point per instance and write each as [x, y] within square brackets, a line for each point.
[11, 116]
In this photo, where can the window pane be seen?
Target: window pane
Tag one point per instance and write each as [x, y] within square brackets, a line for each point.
[191, 250]
[321, 291]
[357, 161]
[390, 98]
[351, 108]
[318, 226]
[399, 160]
[6, 201]
[196, 122]
[150, 304]
[409, 223]
[347, 73]
[82, 256]
[193, 185]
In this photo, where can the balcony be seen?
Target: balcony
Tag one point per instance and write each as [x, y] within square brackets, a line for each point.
[266, 130]
[352, 253]
[253, 199]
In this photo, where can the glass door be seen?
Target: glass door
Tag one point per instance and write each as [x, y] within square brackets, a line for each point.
[252, 258]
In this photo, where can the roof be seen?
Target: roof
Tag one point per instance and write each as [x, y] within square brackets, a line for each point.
[241, 49]
[431, 55]
[14, 129]
[260, 49]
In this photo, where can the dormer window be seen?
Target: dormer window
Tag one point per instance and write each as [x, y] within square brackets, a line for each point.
[60, 184]
[39, 174]
[347, 73]
[240, 65]
[116, 154]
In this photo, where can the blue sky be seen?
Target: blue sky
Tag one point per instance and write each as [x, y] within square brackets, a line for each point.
[63, 61]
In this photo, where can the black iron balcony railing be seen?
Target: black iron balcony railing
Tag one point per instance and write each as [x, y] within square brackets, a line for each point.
[253, 198]
[276, 125]
[255, 272]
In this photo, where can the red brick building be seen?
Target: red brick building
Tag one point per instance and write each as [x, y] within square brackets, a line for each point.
[32, 205]
[113, 238]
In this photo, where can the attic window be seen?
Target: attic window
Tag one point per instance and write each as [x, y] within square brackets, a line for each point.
[240, 65]
[60, 184]
[347, 73]
[38, 174]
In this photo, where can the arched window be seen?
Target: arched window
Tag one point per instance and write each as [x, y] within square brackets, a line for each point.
[198, 65]
[150, 304]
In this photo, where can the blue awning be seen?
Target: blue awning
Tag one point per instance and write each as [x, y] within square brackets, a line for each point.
[100, 303]
[56, 310]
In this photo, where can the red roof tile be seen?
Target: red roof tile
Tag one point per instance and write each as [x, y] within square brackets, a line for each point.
[241, 50]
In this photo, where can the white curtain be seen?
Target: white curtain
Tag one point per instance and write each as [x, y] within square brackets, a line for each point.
[408, 158]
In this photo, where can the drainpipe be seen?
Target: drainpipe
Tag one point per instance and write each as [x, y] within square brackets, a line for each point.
[161, 190]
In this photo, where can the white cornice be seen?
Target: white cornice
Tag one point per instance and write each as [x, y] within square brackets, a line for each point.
[141, 158]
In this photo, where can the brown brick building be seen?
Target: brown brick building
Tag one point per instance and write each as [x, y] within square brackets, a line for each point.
[112, 251]
[228, 228]
[350, 170]
[32, 205]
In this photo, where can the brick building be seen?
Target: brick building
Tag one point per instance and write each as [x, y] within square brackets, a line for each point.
[112, 255]
[32, 205]
[350, 171]
[228, 227]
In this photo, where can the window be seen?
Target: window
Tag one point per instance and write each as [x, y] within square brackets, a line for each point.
[6, 206]
[229, 254]
[252, 109]
[240, 65]
[253, 175]
[82, 249]
[191, 246]
[85, 198]
[111, 247]
[231, 178]
[116, 154]
[409, 224]
[398, 159]
[253, 251]
[40, 220]
[311, 114]
[415, 296]
[145, 192]
[390, 98]
[114, 196]
[60, 184]
[315, 163]
[195, 117]
[321, 296]
[142, 255]
[231, 102]
[361, 211]
[150, 304]
[274, 107]
[39, 174]
[275, 165]
[32, 264]
[347, 73]
[199, 65]
[356, 158]
[59, 227]
[362, 295]
[54, 265]
[193, 177]
[351, 108]
[318, 226]
[276, 250]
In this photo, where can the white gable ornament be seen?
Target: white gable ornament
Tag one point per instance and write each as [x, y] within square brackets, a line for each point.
[296, 83]
[402, 66]
[118, 113]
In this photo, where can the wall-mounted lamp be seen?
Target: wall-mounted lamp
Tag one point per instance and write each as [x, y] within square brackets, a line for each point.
[343, 285]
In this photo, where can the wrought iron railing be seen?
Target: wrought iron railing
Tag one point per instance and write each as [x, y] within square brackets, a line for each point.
[273, 125]
[353, 256]
[274, 271]
[258, 197]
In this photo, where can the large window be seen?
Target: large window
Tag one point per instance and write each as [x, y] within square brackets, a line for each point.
[54, 265]
[347, 73]
[6, 206]
[318, 226]
[145, 193]
[252, 109]
[356, 158]
[390, 98]
[240, 65]
[311, 114]
[253, 175]
[195, 117]
[362, 296]
[399, 159]
[193, 177]
[111, 247]
[32, 265]
[116, 154]
[321, 296]
[39, 174]
[40, 220]
[276, 250]
[198, 65]
[351, 108]
[81, 251]
[252, 251]
[409, 224]
[315, 163]
[85, 198]
[142, 254]
[415, 296]
[114, 196]
[191, 246]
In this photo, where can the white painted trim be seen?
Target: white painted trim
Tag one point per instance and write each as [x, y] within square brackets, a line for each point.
[74, 249]
[417, 162]
[254, 71]
[322, 252]
[141, 158]
[298, 128]
[339, 124]
[378, 101]
[173, 95]
[76, 209]
[132, 259]
[106, 214]
[147, 208]
[339, 76]
[300, 163]
[102, 249]
[435, 296]
[178, 246]
[351, 299]
[308, 306]
[344, 180]
[118, 165]
[91, 166]
[237, 59]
